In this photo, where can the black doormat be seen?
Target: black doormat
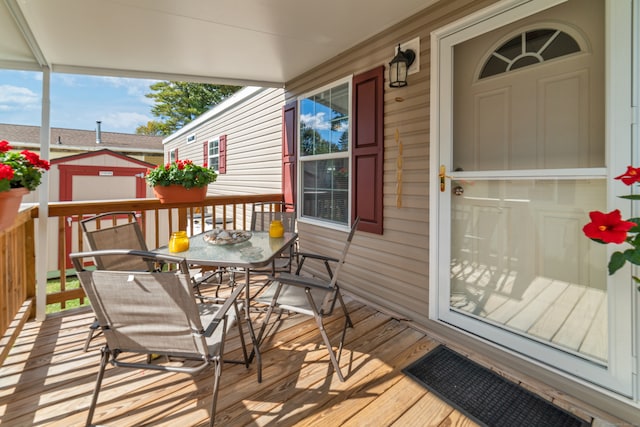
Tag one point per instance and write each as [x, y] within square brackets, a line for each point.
[485, 397]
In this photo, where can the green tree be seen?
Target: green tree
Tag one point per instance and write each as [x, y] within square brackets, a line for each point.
[178, 103]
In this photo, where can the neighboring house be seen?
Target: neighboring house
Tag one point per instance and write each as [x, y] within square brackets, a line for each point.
[240, 138]
[65, 142]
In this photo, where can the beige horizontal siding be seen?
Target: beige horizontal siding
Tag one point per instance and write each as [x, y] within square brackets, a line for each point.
[254, 147]
[391, 270]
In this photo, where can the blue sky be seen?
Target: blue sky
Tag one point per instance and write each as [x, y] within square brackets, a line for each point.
[77, 101]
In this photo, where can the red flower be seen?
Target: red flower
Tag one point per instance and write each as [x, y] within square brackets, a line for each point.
[35, 160]
[4, 146]
[180, 165]
[631, 176]
[6, 172]
[609, 227]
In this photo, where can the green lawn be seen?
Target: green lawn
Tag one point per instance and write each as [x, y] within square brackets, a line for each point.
[53, 285]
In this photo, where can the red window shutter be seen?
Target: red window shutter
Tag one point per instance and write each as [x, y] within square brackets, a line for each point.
[367, 164]
[289, 147]
[222, 149]
[205, 154]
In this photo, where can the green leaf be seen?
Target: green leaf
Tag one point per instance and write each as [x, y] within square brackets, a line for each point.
[616, 262]
[631, 197]
[633, 256]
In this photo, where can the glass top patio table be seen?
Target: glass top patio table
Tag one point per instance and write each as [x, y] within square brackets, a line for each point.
[202, 253]
[205, 254]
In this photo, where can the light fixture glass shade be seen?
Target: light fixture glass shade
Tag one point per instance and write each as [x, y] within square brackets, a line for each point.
[399, 67]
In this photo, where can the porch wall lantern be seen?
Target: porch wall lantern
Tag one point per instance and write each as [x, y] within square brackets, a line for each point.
[399, 67]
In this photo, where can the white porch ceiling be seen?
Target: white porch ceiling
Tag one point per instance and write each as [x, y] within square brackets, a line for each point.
[247, 42]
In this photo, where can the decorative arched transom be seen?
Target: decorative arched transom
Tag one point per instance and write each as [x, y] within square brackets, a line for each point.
[529, 48]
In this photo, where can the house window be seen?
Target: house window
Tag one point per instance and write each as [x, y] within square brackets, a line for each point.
[324, 135]
[529, 48]
[213, 154]
[173, 155]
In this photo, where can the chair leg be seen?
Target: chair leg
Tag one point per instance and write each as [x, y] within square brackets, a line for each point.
[94, 400]
[242, 341]
[344, 309]
[216, 383]
[265, 322]
[94, 331]
[325, 338]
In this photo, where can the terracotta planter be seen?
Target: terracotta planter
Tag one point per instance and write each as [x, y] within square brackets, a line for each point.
[10, 205]
[179, 194]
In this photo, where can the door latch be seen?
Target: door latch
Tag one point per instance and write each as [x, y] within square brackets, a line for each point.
[443, 175]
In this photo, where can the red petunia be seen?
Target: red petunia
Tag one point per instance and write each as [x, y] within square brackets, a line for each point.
[631, 176]
[6, 172]
[4, 146]
[607, 227]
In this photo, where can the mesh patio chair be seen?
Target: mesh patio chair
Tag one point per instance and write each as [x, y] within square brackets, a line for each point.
[121, 230]
[261, 216]
[311, 296]
[156, 313]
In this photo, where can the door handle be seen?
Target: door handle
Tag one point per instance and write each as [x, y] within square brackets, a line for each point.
[442, 176]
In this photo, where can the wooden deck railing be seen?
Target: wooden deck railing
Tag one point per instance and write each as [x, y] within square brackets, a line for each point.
[17, 279]
[18, 253]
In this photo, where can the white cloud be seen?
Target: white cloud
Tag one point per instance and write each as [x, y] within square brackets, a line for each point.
[124, 122]
[316, 121]
[18, 97]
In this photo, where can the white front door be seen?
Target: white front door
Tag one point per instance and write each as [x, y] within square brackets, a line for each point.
[522, 157]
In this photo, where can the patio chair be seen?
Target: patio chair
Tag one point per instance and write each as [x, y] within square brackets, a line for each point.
[110, 231]
[261, 216]
[156, 314]
[311, 296]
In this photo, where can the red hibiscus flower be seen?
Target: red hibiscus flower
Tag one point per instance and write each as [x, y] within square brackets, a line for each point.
[607, 227]
[631, 176]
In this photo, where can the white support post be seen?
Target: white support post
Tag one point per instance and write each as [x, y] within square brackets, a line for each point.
[42, 241]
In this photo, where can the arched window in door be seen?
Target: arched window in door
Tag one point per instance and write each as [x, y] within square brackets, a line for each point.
[529, 48]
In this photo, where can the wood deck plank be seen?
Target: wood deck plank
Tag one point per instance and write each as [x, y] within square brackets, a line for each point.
[48, 380]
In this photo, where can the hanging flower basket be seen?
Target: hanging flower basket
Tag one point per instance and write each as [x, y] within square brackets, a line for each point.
[179, 194]
[10, 205]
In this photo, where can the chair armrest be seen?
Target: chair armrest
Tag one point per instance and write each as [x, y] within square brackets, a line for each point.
[325, 260]
[220, 314]
[304, 281]
[317, 256]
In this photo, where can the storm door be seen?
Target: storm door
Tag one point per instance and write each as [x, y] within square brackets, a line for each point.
[522, 161]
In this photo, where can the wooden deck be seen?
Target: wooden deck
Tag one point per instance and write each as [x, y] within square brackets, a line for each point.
[48, 380]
